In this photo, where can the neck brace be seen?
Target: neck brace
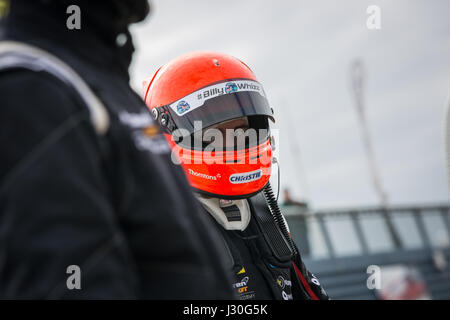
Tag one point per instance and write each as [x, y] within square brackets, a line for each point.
[230, 214]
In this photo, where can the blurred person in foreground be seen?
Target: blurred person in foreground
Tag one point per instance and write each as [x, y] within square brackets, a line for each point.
[216, 117]
[86, 181]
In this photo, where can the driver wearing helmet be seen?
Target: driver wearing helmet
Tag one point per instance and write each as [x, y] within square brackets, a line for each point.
[215, 115]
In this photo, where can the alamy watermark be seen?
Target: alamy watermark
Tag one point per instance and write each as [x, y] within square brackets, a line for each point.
[374, 279]
[373, 21]
[74, 280]
[73, 22]
[223, 146]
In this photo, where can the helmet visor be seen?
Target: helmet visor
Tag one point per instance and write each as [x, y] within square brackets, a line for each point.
[218, 103]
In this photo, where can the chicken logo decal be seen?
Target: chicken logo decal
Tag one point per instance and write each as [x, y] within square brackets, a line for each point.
[182, 107]
[230, 87]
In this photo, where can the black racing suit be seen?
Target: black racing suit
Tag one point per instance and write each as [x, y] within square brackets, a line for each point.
[262, 262]
[114, 204]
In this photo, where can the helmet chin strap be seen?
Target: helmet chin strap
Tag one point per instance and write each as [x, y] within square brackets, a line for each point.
[230, 214]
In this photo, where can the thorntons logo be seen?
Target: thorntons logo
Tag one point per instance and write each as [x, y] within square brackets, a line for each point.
[203, 175]
[245, 176]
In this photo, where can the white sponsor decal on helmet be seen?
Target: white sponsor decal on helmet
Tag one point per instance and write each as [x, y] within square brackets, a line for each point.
[203, 175]
[246, 176]
[197, 98]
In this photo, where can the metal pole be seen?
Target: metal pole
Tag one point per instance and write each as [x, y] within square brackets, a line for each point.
[357, 72]
[390, 226]
[354, 216]
[421, 228]
[445, 216]
[326, 235]
[358, 87]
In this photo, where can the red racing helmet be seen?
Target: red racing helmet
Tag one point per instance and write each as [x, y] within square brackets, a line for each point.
[200, 90]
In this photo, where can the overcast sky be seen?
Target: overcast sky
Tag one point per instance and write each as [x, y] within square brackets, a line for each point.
[301, 52]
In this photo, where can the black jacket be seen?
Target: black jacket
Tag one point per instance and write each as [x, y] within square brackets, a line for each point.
[112, 204]
[263, 263]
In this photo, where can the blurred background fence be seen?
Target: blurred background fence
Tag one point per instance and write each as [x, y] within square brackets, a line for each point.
[339, 245]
